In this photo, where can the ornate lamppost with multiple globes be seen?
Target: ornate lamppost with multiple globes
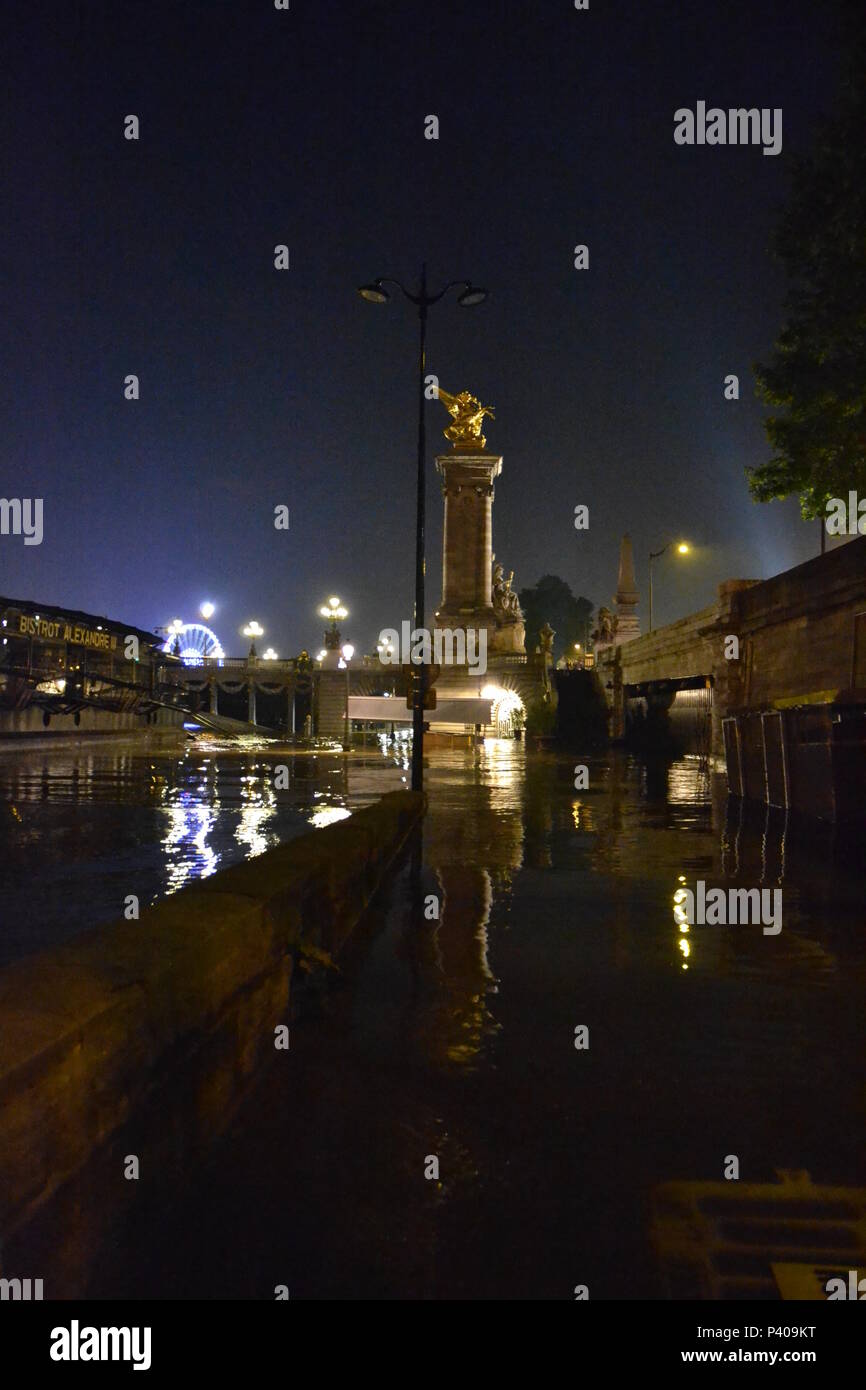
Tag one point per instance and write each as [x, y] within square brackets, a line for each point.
[334, 613]
[253, 630]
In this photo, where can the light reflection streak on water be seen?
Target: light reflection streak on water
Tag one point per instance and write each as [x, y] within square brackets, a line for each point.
[397, 747]
[258, 810]
[682, 921]
[187, 853]
[327, 815]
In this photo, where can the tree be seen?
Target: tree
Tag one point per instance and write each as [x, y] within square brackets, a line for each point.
[816, 376]
[551, 601]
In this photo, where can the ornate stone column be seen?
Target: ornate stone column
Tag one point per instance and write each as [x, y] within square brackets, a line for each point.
[467, 552]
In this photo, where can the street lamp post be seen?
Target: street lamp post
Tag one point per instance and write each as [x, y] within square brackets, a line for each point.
[253, 630]
[682, 549]
[375, 293]
[334, 612]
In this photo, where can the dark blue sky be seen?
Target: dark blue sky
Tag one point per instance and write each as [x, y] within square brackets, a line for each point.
[258, 388]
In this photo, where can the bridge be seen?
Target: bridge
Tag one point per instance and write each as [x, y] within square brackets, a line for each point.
[780, 665]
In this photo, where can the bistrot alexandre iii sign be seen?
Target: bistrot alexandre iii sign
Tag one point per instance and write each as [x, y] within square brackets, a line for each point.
[59, 630]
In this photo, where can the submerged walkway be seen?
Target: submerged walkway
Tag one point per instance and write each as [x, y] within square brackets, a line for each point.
[456, 1039]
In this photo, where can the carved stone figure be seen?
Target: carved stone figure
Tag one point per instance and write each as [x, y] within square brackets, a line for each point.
[505, 600]
[605, 629]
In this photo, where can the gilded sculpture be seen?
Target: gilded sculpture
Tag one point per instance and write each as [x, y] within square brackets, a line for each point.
[467, 413]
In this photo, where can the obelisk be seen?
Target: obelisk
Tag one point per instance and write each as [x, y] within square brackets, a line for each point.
[626, 596]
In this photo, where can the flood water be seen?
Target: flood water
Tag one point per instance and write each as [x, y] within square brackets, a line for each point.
[82, 828]
[452, 1038]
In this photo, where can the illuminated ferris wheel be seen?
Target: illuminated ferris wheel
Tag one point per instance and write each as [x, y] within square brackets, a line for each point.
[192, 642]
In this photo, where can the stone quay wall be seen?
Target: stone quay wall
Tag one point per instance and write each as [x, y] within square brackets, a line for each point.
[90, 1031]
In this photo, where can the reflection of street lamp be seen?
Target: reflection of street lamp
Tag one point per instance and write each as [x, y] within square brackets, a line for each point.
[682, 549]
[470, 295]
[253, 630]
[343, 664]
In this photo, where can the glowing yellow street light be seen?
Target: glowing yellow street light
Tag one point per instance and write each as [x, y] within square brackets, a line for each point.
[682, 549]
[253, 630]
[333, 611]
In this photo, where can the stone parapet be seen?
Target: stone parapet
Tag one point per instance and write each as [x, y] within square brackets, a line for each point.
[89, 1028]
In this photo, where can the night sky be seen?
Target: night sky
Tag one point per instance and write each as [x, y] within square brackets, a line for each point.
[261, 387]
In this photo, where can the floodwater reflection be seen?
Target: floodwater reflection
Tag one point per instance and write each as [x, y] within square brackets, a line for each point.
[451, 1032]
[80, 829]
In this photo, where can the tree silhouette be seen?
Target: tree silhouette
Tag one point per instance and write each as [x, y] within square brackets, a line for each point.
[816, 376]
[551, 601]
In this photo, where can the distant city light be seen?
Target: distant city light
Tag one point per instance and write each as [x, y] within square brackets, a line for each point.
[207, 610]
[270, 655]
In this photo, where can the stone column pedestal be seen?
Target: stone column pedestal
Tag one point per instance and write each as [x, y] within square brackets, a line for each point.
[332, 693]
[467, 558]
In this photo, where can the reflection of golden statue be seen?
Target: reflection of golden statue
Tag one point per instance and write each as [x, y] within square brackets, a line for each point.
[467, 413]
